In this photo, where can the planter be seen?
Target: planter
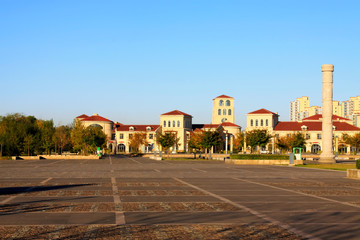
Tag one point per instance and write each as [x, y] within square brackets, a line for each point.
[353, 173]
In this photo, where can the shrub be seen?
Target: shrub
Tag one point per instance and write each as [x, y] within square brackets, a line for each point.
[358, 164]
[259, 156]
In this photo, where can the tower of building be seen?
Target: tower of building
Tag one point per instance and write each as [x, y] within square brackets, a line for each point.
[223, 110]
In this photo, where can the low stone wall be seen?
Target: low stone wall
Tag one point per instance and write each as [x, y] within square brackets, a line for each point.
[353, 173]
[261, 162]
[54, 157]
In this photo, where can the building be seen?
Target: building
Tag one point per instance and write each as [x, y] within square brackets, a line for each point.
[298, 108]
[175, 121]
[311, 127]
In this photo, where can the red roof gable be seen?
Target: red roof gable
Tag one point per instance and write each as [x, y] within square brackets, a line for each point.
[229, 124]
[223, 96]
[262, 111]
[318, 116]
[141, 128]
[96, 118]
[82, 116]
[176, 112]
[313, 126]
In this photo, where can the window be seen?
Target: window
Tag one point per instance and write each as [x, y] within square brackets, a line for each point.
[261, 122]
[256, 123]
[178, 123]
[229, 112]
[319, 136]
[164, 123]
[288, 135]
[251, 122]
[224, 120]
[148, 128]
[224, 112]
[307, 136]
[169, 124]
[151, 136]
[131, 128]
[219, 112]
[267, 122]
[173, 123]
[227, 102]
[130, 136]
[221, 103]
[121, 136]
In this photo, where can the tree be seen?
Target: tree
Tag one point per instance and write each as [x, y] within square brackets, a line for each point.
[47, 131]
[61, 137]
[77, 137]
[210, 139]
[195, 142]
[239, 141]
[94, 137]
[137, 139]
[297, 140]
[2, 135]
[257, 138]
[167, 140]
[353, 141]
[29, 140]
[283, 143]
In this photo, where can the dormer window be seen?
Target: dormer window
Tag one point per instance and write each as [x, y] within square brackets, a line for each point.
[304, 128]
[131, 128]
[148, 128]
[334, 128]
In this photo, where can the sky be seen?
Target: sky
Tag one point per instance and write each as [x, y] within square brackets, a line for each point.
[130, 61]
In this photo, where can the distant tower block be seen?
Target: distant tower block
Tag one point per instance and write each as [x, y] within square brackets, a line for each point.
[327, 155]
[223, 110]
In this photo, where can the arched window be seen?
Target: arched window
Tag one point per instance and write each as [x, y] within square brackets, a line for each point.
[219, 112]
[224, 112]
[169, 124]
[261, 122]
[227, 102]
[221, 103]
[164, 123]
[267, 122]
[251, 122]
[256, 123]
[178, 123]
[224, 120]
[229, 112]
[173, 123]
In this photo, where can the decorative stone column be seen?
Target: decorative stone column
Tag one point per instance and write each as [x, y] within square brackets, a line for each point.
[327, 155]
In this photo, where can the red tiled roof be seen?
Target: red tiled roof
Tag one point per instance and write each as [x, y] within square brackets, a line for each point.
[318, 116]
[96, 118]
[223, 96]
[313, 126]
[141, 128]
[176, 112]
[198, 130]
[262, 111]
[229, 124]
[82, 116]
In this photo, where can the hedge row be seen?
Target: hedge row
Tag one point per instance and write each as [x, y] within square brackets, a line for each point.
[358, 164]
[259, 156]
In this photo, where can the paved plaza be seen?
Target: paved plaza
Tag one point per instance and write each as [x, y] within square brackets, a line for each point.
[119, 197]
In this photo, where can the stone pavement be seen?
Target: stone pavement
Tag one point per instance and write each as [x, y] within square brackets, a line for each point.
[137, 198]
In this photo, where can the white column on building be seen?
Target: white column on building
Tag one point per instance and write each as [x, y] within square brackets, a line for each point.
[327, 155]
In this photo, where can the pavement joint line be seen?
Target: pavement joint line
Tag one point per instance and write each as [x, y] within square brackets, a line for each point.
[119, 216]
[46, 180]
[157, 170]
[254, 212]
[305, 194]
[199, 170]
[134, 160]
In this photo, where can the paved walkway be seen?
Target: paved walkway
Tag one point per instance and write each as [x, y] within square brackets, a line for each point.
[120, 198]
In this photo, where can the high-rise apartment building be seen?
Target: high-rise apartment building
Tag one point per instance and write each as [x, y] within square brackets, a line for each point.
[298, 107]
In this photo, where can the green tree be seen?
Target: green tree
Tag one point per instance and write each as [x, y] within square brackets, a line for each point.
[47, 131]
[353, 141]
[257, 138]
[297, 140]
[211, 139]
[167, 140]
[94, 137]
[239, 141]
[78, 137]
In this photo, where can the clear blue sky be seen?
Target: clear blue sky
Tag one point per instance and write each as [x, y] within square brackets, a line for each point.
[131, 61]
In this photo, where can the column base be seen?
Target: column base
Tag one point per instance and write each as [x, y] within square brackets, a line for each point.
[327, 158]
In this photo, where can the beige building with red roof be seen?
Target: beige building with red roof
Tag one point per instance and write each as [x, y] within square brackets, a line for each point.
[311, 127]
[96, 120]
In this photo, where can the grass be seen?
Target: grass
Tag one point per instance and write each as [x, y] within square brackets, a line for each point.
[185, 159]
[337, 166]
